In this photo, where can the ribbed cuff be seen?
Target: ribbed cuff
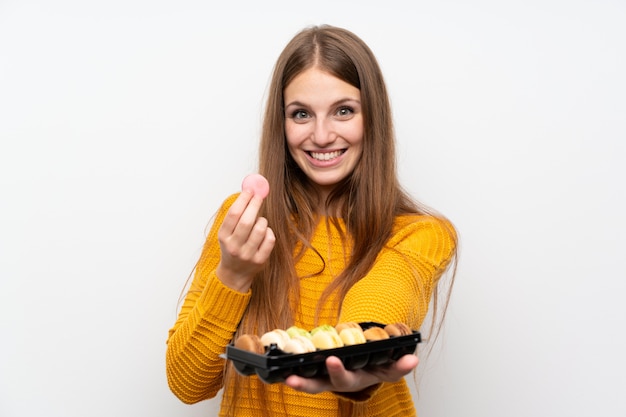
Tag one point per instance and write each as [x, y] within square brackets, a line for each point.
[223, 305]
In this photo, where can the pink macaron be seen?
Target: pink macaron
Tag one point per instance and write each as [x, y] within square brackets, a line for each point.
[257, 184]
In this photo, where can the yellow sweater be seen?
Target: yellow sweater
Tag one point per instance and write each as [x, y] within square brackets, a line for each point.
[397, 289]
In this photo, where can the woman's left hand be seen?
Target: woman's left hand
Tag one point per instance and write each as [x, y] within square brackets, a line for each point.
[341, 380]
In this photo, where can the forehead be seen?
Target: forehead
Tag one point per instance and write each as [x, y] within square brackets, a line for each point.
[315, 85]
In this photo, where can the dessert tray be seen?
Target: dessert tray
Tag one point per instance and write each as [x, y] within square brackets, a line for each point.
[276, 365]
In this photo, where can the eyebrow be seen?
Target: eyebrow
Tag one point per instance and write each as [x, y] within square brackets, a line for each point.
[336, 103]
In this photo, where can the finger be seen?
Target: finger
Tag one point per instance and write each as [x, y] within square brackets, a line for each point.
[257, 234]
[337, 373]
[260, 242]
[309, 385]
[396, 370]
[247, 220]
[266, 246]
[234, 214]
[344, 380]
[316, 385]
[407, 364]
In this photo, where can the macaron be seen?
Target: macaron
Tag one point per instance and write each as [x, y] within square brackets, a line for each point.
[347, 325]
[294, 331]
[299, 344]
[277, 337]
[251, 343]
[398, 329]
[323, 328]
[375, 333]
[352, 336]
[326, 339]
[256, 183]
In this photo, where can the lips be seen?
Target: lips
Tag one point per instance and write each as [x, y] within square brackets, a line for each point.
[325, 156]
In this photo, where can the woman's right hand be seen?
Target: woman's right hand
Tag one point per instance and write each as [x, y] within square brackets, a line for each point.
[246, 242]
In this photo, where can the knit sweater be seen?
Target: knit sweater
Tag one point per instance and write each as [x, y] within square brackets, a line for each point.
[398, 288]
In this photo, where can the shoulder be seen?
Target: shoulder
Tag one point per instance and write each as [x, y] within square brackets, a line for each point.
[423, 224]
[429, 235]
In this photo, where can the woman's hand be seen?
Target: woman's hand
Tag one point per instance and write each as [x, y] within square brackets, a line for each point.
[341, 380]
[246, 242]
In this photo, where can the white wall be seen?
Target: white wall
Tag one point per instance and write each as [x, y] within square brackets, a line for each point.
[124, 124]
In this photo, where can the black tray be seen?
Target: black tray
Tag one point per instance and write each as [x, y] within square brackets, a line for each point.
[276, 365]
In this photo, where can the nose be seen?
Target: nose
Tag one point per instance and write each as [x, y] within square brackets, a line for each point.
[323, 133]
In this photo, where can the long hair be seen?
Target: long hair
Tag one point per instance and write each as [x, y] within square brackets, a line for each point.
[367, 201]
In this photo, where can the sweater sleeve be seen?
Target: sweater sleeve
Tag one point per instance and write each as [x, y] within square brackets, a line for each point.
[399, 286]
[206, 323]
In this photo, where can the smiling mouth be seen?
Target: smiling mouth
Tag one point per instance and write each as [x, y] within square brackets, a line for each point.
[326, 156]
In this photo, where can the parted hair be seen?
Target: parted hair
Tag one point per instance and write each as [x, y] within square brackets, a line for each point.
[367, 201]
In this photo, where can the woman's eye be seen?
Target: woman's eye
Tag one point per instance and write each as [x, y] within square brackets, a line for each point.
[345, 112]
[299, 114]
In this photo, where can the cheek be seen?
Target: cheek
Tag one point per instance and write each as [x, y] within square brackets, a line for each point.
[292, 143]
[353, 133]
[294, 134]
[288, 134]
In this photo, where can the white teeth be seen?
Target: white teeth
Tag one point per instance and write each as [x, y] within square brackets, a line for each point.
[325, 156]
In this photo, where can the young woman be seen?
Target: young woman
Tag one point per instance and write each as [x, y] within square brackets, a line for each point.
[336, 240]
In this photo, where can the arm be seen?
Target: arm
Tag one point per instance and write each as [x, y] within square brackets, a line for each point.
[400, 284]
[237, 247]
[397, 289]
[205, 326]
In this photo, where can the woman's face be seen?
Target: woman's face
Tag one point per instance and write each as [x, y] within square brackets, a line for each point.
[324, 126]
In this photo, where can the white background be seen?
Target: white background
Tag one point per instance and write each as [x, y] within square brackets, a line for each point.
[125, 123]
